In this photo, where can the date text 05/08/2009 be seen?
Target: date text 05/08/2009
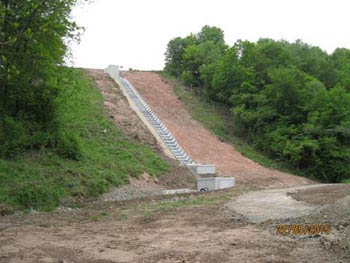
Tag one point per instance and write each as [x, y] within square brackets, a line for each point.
[314, 229]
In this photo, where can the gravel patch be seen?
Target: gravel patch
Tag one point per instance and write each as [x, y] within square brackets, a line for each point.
[130, 192]
[274, 204]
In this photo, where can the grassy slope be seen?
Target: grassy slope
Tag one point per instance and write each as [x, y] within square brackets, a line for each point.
[216, 118]
[41, 180]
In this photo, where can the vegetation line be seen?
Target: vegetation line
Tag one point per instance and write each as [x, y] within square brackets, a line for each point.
[289, 100]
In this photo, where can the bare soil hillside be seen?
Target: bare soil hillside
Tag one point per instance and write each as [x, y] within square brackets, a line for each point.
[199, 143]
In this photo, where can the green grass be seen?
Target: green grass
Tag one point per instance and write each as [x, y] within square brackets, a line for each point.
[43, 179]
[217, 118]
[346, 181]
[185, 201]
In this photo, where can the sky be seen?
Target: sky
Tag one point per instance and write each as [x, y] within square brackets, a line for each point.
[134, 33]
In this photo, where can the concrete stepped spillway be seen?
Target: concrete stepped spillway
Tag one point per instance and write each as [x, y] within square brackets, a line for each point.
[164, 133]
[166, 136]
[166, 139]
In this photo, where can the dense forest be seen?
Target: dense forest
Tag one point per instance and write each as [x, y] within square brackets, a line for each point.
[289, 100]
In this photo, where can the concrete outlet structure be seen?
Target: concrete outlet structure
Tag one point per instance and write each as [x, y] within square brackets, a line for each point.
[215, 183]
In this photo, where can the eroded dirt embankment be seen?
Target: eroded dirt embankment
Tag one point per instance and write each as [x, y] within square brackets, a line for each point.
[199, 143]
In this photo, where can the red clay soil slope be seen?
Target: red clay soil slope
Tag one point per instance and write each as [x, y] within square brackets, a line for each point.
[199, 143]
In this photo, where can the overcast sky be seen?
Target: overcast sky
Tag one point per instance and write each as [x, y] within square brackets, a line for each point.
[134, 33]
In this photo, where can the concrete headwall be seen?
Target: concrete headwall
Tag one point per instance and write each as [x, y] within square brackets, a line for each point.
[202, 169]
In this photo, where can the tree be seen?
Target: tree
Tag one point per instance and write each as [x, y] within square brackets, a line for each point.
[341, 62]
[313, 61]
[193, 57]
[198, 58]
[33, 37]
[228, 76]
[209, 33]
[174, 54]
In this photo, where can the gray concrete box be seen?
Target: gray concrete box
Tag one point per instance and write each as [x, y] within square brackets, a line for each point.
[113, 70]
[215, 183]
[202, 168]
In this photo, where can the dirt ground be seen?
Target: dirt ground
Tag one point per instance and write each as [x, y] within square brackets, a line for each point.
[185, 228]
[201, 145]
[329, 195]
[199, 227]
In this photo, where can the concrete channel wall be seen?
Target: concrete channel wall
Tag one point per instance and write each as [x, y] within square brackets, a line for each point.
[114, 74]
[154, 124]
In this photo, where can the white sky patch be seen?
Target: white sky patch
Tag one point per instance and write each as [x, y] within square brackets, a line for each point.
[134, 33]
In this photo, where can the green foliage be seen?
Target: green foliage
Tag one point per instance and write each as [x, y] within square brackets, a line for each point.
[32, 44]
[91, 156]
[187, 77]
[227, 76]
[175, 50]
[290, 100]
[213, 34]
[68, 146]
[12, 135]
[193, 57]
[341, 62]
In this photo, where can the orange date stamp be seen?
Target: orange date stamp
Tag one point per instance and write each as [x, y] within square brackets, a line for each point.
[308, 229]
